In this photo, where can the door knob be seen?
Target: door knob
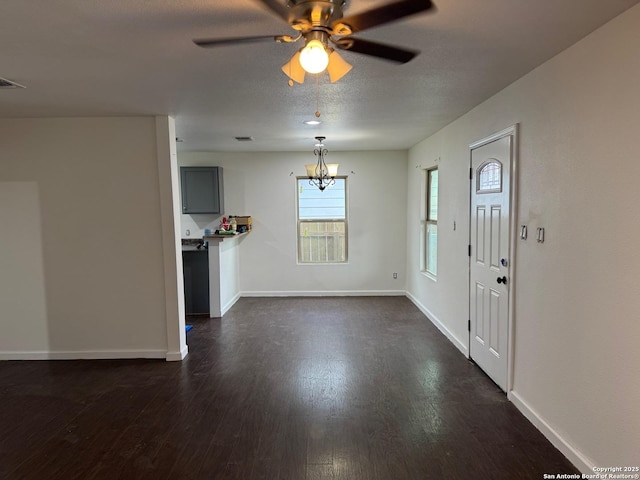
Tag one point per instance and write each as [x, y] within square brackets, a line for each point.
[502, 280]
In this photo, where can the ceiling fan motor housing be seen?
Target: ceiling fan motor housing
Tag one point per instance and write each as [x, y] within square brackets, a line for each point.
[308, 15]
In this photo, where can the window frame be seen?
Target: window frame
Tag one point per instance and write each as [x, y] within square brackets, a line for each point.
[300, 222]
[429, 269]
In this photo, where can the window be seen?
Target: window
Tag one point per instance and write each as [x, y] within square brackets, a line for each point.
[431, 223]
[489, 178]
[322, 222]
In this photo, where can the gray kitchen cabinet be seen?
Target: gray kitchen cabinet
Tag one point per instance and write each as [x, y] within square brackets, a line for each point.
[202, 190]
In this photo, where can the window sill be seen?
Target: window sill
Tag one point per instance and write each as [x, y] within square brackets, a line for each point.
[429, 275]
[327, 264]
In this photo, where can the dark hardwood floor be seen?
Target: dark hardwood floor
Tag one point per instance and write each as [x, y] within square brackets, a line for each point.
[280, 388]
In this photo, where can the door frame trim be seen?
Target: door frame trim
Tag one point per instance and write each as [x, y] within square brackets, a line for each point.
[513, 132]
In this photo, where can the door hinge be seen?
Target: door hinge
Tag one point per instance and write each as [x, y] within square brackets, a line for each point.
[470, 173]
[469, 325]
[469, 250]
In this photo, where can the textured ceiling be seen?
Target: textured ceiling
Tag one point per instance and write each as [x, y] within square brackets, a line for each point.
[135, 57]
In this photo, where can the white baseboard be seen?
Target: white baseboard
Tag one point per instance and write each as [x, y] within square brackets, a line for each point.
[328, 293]
[440, 326]
[580, 461]
[177, 356]
[83, 355]
[225, 308]
[96, 355]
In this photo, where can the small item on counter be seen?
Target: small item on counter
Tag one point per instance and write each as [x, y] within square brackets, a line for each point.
[243, 221]
[233, 224]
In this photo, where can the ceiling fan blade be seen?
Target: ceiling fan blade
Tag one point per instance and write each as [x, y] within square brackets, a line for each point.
[216, 42]
[375, 49]
[383, 14]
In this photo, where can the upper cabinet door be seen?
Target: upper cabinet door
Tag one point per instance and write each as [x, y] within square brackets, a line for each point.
[202, 190]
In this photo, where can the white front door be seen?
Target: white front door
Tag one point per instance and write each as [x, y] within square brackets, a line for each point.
[489, 263]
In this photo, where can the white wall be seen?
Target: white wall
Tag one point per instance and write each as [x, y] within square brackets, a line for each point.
[577, 320]
[261, 185]
[22, 283]
[82, 263]
[170, 210]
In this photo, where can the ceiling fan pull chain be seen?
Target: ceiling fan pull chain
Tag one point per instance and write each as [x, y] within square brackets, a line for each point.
[290, 82]
[317, 96]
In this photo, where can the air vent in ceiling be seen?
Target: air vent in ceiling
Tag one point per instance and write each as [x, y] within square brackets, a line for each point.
[244, 139]
[4, 83]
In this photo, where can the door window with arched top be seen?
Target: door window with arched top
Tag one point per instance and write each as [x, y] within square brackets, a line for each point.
[489, 177]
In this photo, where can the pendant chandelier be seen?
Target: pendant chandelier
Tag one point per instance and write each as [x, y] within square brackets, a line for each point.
[321, 175]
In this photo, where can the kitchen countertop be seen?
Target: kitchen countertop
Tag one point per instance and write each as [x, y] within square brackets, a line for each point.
[224, 237]
[191, 244]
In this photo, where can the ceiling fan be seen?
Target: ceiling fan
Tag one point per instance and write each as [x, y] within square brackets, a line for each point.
[322, 26]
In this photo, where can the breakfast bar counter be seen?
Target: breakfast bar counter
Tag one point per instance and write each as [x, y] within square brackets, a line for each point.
[224, 272]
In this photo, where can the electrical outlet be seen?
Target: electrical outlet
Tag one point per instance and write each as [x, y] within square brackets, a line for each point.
[395, 275]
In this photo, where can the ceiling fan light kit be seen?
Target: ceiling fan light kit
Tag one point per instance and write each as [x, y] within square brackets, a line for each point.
[321, 23]
[313, 57]
[337, 67]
